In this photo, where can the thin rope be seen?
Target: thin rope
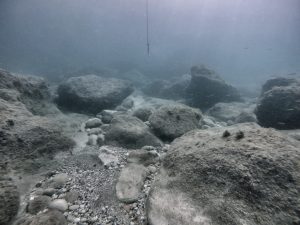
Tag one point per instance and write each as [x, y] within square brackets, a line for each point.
[147, 22]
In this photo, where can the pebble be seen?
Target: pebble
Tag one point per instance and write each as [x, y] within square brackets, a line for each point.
[74, 207]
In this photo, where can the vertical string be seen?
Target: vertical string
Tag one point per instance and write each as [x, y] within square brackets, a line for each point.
[147, 22]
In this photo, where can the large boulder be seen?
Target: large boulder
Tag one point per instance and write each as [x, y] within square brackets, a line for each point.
[242, 174]
[172, 121]
[25, 138]
[9, 200]
[279, 107]
[279, 82]
[32, 91]
[92, 94]
[207, 88]
[130, 132]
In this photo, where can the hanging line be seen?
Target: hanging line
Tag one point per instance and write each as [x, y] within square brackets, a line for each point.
[147, 22]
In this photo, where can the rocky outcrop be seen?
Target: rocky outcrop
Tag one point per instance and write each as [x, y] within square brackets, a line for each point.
[172, 121]
[242, 174]
[92, 94]
[207, 88]
[279, 105]
[9, 200]
[129, 132]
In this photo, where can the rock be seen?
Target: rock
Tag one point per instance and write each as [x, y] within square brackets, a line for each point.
[143, 157]
[59, 204]
[129, 132]
[279, 82]
[32, 91]
[210, 179]
[92, 94]
[231, 111]
[52, 217]
[127, 104]
[175, 89]
[95, 131]
[49, 192]
[246, 117]
[9, 200]
[207, 88]
[171, 121]
[92, 123]
[280, 108]
[58, 181]
[71, 196]
[143, 113]
[101, 139]
[93, 140]
[155, 88]
[38, 204]
[107, 157]
[107, 115]
[130, 183]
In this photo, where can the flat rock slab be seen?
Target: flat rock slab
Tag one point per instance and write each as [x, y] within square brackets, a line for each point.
[130, 183]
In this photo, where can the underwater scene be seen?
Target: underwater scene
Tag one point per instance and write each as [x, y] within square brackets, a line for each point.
[150, 112]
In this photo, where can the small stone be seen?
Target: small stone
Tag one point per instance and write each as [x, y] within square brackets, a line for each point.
[152, 169]
[49, 191]
[59, 204]
[74, 207]
[92, 123]
[59, 180]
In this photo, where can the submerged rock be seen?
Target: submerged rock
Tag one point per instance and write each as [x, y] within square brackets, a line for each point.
[207, 88]
[129, 132]
[175, 89]
[280, 107]
[233, 112]
[209, 178]
[32, 91]
[130, 182]
[172, 121]
[9, 200]
[92, 94]
[38, 204]
[143, 113]
[51, 217]
[279, 82]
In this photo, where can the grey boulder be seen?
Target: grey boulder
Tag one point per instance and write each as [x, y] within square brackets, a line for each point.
[243, 174]
[171, 121]
[280, 107]
[129, 132]
[207, 88]
[91, 93]
[9, 201]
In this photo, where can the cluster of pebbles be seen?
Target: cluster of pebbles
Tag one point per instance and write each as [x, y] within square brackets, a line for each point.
[86, 194]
